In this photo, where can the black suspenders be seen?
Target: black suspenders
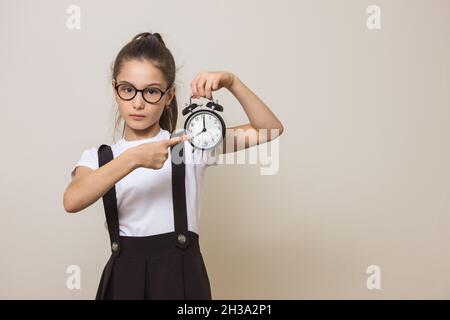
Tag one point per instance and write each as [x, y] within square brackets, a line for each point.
[105, 155]
[179, 198]
[181, 237]
[178, 194]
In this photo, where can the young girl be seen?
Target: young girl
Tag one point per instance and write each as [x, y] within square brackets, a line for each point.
[151, 204]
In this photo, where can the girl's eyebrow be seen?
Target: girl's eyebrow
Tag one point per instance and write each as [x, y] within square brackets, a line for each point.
[147, 85]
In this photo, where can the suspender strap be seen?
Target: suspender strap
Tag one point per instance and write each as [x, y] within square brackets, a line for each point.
[179, 196]
[105, 155]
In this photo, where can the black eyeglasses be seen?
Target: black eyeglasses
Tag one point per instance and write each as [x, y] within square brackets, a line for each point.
[151, 95]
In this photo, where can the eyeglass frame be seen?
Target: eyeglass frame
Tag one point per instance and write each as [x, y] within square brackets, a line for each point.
[136, 90]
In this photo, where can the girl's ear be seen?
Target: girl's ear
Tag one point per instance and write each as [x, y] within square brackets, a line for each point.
[170, 95]
[113, 84]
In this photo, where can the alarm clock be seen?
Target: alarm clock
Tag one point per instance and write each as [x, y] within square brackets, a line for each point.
[205, 127]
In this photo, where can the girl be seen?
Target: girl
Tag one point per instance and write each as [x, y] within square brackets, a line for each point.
[151, 204]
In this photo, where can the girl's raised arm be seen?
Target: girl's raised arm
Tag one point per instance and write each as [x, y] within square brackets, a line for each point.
[263, 125]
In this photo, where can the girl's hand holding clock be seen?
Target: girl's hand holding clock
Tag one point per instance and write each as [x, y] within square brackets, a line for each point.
[208, 81]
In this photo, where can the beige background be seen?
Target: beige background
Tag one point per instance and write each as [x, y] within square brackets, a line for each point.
[364, 173]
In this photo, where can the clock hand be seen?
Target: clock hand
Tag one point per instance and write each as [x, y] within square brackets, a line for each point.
[199, 133]
[204, 127]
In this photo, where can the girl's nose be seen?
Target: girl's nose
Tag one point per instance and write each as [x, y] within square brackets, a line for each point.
[138, 101]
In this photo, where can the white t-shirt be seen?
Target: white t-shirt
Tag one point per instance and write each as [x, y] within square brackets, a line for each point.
[144, 196]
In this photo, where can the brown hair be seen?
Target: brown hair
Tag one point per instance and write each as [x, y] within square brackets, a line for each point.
[151, 47]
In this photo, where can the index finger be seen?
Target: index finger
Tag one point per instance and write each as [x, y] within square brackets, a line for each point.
[173, 141]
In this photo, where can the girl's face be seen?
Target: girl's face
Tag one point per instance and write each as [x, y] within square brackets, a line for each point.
[141, 74]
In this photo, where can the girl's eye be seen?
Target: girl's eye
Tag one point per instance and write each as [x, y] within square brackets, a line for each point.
[126, 89]
[151, 91]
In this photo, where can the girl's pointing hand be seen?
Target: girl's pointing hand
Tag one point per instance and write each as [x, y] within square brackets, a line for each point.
[153, 155]
[206, 82]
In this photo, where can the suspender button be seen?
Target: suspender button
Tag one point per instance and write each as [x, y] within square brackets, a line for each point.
[181, 238]
[115, 246]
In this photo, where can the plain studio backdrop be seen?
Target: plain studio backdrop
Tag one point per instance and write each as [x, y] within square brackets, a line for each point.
[364, 162]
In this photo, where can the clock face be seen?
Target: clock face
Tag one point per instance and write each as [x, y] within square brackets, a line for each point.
[205, 129]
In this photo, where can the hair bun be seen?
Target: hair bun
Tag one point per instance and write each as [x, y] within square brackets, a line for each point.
[149, 35]
[142, 35]
[157, 35]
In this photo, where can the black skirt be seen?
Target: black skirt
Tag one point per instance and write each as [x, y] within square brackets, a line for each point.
[154, 268]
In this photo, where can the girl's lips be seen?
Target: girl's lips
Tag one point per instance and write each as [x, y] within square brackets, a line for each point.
[137, 118]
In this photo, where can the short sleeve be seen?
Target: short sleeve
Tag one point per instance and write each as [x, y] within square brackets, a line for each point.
[89, 158]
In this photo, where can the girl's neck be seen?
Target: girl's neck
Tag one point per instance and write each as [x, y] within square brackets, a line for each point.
[132, 135]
